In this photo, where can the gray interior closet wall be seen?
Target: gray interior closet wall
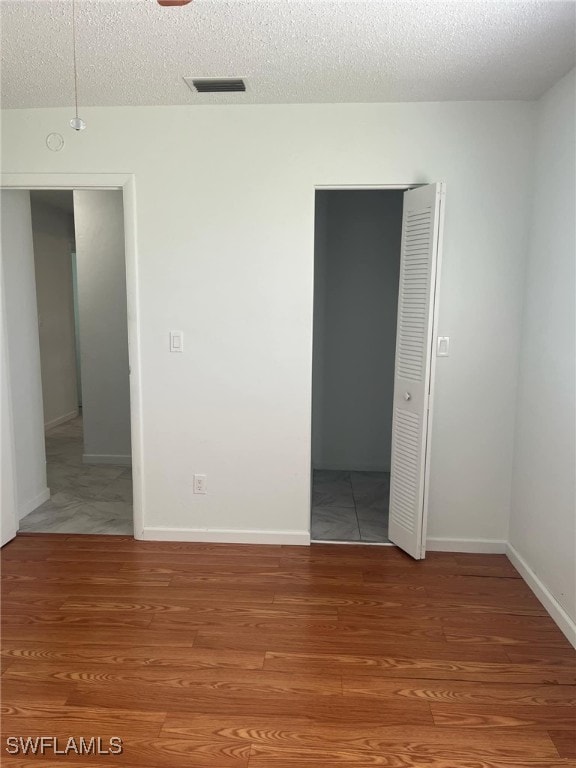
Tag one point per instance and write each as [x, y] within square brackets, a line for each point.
[53, 235]
[357, 263]
[101, 280]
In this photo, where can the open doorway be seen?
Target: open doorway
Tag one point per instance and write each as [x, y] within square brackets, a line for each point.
[80, 352]
[376, 287]
[357, 266]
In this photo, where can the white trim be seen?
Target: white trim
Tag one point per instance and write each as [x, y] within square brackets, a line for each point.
[481, 546]
[368, 187]
[34, 503]
[125, 182]
[359, 542]
[566, 624]
[64, 180]
[60, 420]
[107, 458]
[435, 308]
[226, 536]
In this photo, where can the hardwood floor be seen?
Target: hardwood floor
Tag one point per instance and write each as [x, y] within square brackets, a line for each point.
[275, 657]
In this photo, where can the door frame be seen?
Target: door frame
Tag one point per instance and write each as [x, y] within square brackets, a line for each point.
[126, 183]
[367, 188]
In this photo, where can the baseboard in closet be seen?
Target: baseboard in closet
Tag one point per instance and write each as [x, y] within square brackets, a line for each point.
[60, 420]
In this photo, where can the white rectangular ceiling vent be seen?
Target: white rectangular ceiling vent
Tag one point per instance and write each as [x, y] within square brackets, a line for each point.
[215, 84]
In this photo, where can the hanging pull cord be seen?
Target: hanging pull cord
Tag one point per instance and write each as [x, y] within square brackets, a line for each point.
[77, 123]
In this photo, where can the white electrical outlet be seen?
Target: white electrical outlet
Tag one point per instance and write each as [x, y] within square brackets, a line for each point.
[199, 483]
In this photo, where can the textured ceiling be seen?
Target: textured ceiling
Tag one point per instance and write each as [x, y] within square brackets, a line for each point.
[133, 52]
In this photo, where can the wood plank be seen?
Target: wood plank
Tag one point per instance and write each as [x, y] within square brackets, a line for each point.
[105, 581]
[87, 636]
[293, 619]
[274, 578]
[423, 740]
[504, 716]
[296, 628]
[139, 557]
[232, 682]
[406, 667]
[129, 657]
[472, 585]
[25, 542]
[373, 602]
[25, 603]
[360, 552]
[25, 762]
[314, 758]
[508, 635]
[35, 692]
[286, 704]
[367, 646]
[61, 618]
[439, 574]
[142, 591]
[536, 655]
[43, 568]
[460, 692]
[451, 621]
[197, 608]
[105, 721]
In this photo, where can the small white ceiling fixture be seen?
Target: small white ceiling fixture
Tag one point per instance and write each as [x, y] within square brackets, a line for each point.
[134, 52]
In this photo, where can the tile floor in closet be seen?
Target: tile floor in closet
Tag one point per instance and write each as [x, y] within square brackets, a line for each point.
[350, 506]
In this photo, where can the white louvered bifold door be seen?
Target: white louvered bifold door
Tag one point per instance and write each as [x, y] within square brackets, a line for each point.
[421, 230]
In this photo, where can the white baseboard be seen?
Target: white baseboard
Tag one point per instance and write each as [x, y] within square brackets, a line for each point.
[32, 504]
[226, 536]
[107, 458]
[60, 420]
[557, 613]
[358, 543]
[480, 546]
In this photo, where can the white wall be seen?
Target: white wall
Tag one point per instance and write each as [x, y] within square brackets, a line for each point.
[224, 227]
[23, 352]
[357, 265]
[543, 519]
[53, 234]
[101, 280]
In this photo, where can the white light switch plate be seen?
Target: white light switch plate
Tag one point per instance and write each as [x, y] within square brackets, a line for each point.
[176, 341]
[443, 346]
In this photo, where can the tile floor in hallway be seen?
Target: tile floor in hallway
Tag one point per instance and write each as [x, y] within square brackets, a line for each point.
[85, 498]
[350, 506]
